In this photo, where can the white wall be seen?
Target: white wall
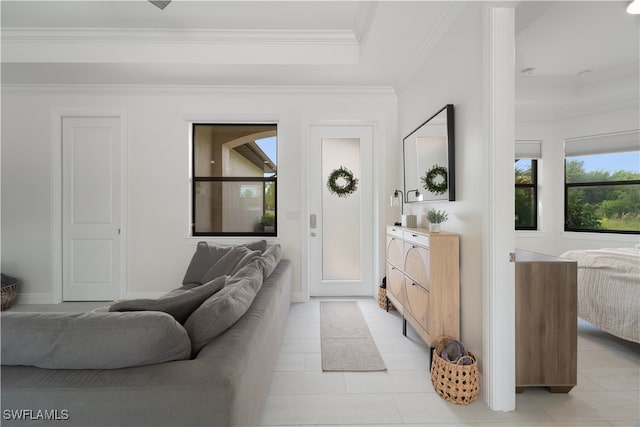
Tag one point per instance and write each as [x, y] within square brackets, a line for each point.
[453, 75]
[158, 245]
[551, 237]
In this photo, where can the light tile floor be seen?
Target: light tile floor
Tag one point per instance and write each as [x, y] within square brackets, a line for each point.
[607, 393]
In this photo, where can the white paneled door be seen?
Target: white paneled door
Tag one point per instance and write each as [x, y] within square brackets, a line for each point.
[91, 244]
[340, 224]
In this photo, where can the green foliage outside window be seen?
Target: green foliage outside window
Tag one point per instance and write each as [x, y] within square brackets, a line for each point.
[270, 198]
[525, 195]
[602, 200]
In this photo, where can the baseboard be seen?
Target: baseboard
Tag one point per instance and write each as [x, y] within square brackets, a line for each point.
[298, 297]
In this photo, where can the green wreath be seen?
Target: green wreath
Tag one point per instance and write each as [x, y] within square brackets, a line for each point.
[347, 185]
[431, 183]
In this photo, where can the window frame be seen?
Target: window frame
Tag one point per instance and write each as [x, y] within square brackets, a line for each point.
[567, 186]
[593, 145]
[534, 185]
[196, 179]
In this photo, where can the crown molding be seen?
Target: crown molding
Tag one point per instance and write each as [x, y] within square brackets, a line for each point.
[364, 21]
[446, 18]
[199, 89]
[89, 35]
[557, 98]
[552, 111]
[115, 45]
[611, 73]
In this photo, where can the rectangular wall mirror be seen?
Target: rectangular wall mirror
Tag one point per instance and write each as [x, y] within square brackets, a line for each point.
[429, 159]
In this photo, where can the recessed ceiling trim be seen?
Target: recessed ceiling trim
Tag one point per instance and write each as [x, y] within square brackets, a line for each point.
[180, 46]
[364, 20]
[526, 111]
[446, 18]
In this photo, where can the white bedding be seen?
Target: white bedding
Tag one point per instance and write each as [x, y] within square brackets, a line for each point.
[609, 289]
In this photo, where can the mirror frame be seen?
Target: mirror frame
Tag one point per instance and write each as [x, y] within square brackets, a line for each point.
[451, 160]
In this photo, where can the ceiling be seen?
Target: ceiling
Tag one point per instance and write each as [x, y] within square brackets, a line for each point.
[575, 59]
[575, 38]
[314, 43]
[343, 43]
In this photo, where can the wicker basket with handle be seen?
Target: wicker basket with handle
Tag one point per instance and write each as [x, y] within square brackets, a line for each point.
[382, 299]
[9, 291]
[452, 381]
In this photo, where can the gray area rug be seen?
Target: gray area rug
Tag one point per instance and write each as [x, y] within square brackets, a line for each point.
[345, 338]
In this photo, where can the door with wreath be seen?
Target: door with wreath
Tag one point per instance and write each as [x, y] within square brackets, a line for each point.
[341, 210]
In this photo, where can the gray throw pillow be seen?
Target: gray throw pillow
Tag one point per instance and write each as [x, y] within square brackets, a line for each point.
[179, 303]
[222, 310]
[270, 259]
[234, 260]
[260, 245]
[92, 340]
[207, 254]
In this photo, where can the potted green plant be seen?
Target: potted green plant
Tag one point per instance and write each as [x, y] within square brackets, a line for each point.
[435, 218]
[267, 223]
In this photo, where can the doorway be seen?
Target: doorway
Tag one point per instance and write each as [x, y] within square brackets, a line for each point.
[91, 208]
[341, 223]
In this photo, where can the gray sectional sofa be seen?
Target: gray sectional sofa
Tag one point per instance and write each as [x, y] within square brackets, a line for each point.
[223, 382]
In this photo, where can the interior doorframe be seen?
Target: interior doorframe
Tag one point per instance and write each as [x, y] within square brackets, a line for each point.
[377, 123]
[57, 115]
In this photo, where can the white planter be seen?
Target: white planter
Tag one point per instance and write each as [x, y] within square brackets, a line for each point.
[434, 228]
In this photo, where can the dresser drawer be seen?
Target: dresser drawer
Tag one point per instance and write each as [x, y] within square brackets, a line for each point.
[394, 231]
[395, 283]
[416, 264]
[416, 238]
[417, 302]
[395, 251]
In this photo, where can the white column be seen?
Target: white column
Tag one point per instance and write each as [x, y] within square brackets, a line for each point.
[499, 275]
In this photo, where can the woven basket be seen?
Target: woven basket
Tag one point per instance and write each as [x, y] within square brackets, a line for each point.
[456, 383]
[9, 293]
[382, 299]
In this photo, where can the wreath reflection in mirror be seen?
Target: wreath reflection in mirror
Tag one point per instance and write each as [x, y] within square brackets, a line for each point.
[341, 182]
[435, 180]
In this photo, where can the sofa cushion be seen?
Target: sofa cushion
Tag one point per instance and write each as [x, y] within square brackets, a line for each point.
[92, 340]
[231, 262]
[179, 303]
[207, 254]
[223, 309]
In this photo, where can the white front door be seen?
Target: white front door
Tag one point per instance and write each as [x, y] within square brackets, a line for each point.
[340, 224]
[91, 208]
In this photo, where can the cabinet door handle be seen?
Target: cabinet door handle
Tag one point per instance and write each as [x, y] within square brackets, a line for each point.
[414, 235]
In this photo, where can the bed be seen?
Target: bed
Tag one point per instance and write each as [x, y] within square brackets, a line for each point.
[609, 289]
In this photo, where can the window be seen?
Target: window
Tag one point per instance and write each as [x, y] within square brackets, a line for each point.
[234, 186]
[526, 181]
[526, 194]
[602, 183]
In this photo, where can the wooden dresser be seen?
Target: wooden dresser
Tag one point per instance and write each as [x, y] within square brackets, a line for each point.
[423, 281]
[546, 322]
